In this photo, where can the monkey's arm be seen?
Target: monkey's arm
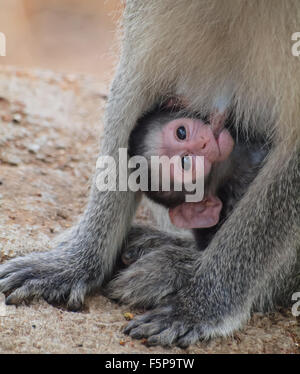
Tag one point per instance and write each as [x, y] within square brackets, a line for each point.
[142, 286]
[250, 258]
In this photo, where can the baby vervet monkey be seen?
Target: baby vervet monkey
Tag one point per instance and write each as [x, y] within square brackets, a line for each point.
[230, 165]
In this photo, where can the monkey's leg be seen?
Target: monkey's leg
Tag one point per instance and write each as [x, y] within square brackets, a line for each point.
[144, 239]
[88, 255]
[250, 249]
[142, 286]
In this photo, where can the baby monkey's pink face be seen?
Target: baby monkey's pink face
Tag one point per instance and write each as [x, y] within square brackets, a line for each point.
[192, 137]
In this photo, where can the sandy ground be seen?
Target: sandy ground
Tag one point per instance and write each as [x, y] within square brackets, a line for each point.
[50, 127]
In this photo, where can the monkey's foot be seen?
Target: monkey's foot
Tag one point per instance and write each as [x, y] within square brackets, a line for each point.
[46, 275]
[182, 321]
[164, 327]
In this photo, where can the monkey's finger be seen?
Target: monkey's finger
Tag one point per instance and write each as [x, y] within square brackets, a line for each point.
[9, 267]
[27, 291]
[137, 322]
[169, 332]
[165, 338]
[146, 330]
[131, 325]
[191, 337]
[57, 294]
[145, 318]
[12, 281]
[77, 295]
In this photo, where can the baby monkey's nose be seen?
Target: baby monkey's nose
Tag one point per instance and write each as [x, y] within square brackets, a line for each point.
[206, 144]
[203, 142]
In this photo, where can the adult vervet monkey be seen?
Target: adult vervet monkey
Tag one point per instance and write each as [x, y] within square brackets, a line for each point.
[239, 51]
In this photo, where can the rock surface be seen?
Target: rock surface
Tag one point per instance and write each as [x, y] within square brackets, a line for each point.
[50, 128]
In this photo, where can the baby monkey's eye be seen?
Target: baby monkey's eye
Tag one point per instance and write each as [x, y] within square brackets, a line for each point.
[181, 133]
[186, 163]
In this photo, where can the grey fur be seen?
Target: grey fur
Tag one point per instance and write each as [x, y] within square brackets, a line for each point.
[149, 248]
[200, 50]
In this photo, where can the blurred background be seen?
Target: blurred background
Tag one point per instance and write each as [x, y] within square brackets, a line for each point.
[69, 36]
